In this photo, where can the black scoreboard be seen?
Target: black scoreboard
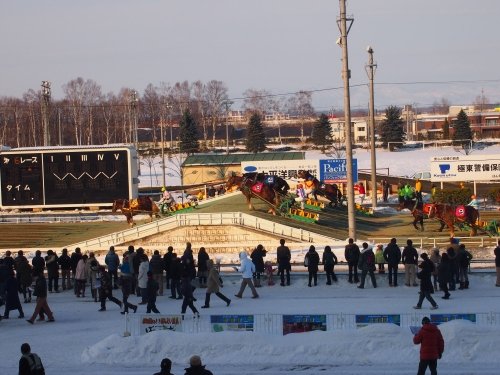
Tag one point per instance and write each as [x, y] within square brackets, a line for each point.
[67, 177]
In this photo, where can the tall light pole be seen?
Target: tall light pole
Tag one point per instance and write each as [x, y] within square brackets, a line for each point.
[346, 75]
[133, 104]
[168, 107]
[45, 112]
[370, 70]
[228, 104]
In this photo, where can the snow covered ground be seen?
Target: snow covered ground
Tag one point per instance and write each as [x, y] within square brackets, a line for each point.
[85, 341]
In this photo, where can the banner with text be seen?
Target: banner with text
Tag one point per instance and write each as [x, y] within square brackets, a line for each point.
[155, 322]
[465, 168]
[326, 170]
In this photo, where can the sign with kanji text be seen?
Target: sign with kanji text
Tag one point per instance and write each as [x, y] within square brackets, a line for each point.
[154, 322]
[465, 168]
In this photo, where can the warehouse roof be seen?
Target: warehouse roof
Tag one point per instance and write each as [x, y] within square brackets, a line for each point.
[230, 159]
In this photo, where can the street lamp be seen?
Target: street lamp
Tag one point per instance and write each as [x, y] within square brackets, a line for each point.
[370, 70]
[46, 93]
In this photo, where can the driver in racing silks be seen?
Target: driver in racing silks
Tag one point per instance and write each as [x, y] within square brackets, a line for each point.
[166, 197]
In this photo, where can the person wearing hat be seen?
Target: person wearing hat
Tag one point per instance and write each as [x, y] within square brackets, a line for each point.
[196, 367]
[165, 367]
[431, 346]
[426, 287]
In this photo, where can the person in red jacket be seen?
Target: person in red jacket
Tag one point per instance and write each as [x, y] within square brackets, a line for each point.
[431, 348]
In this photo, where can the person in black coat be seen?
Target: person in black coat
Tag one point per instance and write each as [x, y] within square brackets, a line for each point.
[196, 367]
[202, 267]
[165, 366]
[65, 264]
[329, 261]
[52, 271]
[151, 292]
[444, 274]
[167, 261]
[106, 289]
[311, 261]
[12, 301]
[392, 255]
[351, 254]
[175, 277]
[426, 287]
[409, 258]
[187, 292]
[38, 263]
[284, 256]
[366, 264]
[8, 261]
[257, 257]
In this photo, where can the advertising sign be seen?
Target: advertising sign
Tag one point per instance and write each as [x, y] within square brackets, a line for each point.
[443, 318]
[286, 169]
[335, 170]
[220, 323]
[326, 170]
[303, 323]
[155, 322]
[364, 320]
[465, 168]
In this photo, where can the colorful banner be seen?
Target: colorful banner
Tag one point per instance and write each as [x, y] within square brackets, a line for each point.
[303, 323]
[364, 320]
[443, 318]
[221, 323]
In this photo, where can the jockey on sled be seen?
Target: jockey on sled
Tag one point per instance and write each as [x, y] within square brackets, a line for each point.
[166, 198]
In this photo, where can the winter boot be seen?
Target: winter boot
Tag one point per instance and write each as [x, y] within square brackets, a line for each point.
[466, 285]
[462, 286]
[257, 283]
[207, 301]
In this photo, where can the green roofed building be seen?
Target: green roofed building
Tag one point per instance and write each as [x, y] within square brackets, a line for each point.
[202, 168]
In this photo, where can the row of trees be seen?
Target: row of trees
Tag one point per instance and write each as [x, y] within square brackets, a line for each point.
[87, 116]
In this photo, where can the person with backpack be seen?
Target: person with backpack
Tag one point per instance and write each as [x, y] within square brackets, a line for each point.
[366, 265]
[30, 363]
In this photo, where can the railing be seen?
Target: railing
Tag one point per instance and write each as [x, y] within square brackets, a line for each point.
[268, 323]
[440, 242]
[200, 219]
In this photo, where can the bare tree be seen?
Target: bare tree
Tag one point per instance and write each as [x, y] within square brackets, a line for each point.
[199, 94]
[441, 107]
[216, 95]
[151, 104]
[256, 101]
[481, 101]
[181, 94]
[301, 105]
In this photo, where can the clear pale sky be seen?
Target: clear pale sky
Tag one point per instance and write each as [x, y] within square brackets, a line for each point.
[279, 45]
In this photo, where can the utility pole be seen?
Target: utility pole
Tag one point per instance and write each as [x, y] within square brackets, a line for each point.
[168, 107]
[370, 70]
[346, 75]
[228, 104]
[45, 112]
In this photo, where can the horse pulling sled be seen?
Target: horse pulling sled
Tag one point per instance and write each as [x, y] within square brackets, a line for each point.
[272, 190]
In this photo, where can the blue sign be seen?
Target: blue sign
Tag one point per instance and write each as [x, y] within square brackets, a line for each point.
[443, 318]
[222, 323]
[364, 320]
[335, 170]
[303, 323]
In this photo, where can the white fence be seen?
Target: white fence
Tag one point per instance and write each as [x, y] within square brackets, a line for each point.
[276, 324]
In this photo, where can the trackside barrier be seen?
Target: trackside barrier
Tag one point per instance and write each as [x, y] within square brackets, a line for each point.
[281, 324]
[200, 219]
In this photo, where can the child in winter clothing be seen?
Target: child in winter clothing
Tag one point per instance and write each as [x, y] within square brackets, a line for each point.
[379, 258]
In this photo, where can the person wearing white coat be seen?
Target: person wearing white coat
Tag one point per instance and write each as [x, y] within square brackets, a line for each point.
[142, 279]
[247, 269]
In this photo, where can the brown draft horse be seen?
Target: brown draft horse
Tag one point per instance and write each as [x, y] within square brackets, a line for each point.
[131, 207]
[461, 216]
[329, 191]
[416, 211]
[266, 193]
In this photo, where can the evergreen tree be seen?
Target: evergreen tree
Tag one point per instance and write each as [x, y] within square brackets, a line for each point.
[463, 132]
[446, 129]
[391, 128]
[322, 132]
[188, 134]
[256, 140]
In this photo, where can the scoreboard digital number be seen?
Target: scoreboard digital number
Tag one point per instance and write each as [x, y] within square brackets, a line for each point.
[65, 177]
